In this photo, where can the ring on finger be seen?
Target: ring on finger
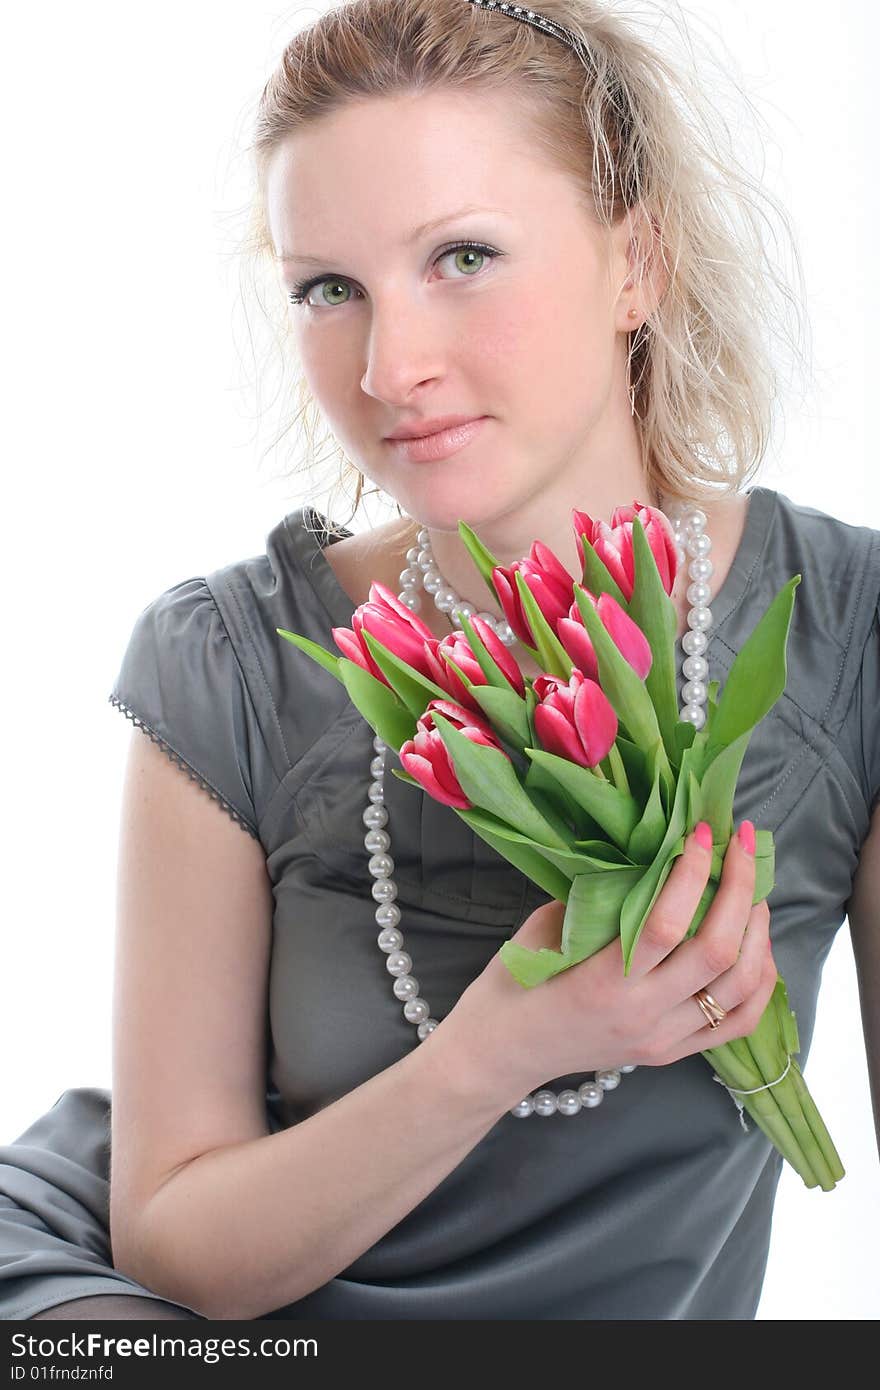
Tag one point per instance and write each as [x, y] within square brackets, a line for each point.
[710, 1008]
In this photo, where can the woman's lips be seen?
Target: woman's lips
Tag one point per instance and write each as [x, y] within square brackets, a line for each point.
[440, 445]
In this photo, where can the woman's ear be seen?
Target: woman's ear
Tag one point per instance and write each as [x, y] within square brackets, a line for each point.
[642, 275]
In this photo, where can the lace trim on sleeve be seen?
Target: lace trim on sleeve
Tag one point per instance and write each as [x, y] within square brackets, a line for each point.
[196, 776]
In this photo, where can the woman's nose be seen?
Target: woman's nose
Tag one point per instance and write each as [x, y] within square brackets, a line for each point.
[405, 348]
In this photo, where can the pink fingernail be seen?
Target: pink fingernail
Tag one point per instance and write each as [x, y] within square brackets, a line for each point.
[703, 834]
[747, 836]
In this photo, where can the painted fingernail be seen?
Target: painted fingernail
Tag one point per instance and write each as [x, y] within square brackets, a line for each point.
[747, 836]
[703, 834]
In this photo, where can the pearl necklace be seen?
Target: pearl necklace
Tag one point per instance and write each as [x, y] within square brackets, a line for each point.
[692, 540]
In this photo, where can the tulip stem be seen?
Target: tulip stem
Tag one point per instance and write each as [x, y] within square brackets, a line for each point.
[618, 770]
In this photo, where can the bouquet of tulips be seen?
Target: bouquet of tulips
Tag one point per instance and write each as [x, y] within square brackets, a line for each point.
[586, 778]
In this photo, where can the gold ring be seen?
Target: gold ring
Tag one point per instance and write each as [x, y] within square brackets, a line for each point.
[710, 1008]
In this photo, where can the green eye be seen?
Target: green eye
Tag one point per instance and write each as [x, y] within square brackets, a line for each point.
[333, 284]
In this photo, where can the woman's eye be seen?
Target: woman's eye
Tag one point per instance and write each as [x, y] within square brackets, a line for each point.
[471, 254]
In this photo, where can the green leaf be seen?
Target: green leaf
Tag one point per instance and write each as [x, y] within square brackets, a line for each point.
[529, 858]
[551, 653]
[647, 834]
[757, 677]
[483, 559]
[718, 784]
[538, 779]
[414, 689]
[627, 693]
[654, 612]
[505, 711]
[532, 968]
[592, 914]
[487, 778]
[381, 708]
[616, 812]
[328, 660]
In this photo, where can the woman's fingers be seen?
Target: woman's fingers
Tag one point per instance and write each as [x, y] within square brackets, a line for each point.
[714, 949]
[735, 987]
[673, 912]
[739, 1023]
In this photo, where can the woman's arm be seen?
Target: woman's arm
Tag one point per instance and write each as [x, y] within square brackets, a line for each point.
[863, 910]
[207, 1207]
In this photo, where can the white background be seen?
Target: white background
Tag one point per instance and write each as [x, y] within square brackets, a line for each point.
[132, 461]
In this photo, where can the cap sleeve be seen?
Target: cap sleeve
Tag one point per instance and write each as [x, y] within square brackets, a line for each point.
[181, 682]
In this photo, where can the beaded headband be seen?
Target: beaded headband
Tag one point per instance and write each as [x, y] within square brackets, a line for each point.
[539, 21]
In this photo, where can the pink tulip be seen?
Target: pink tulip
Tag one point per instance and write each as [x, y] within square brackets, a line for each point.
[392, 624]
[546, 577]
[627, 636]
[574, 719]
[425, 756]
[613, 544]
[459, 648]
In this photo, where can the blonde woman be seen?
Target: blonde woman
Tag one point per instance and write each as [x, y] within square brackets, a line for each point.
[501, 234]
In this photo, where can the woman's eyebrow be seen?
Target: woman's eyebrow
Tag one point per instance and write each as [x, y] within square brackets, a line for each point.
[413, 236]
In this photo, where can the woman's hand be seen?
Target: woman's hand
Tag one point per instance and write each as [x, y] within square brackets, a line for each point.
[592, 1017]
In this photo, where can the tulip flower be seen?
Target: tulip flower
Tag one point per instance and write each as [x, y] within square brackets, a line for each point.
[613, 544]
[458, 647]
[392, 624]
[425, 756]
[546, 577]
[574, 719]
[628, 637]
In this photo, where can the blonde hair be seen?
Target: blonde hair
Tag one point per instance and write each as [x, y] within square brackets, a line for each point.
[634, 129]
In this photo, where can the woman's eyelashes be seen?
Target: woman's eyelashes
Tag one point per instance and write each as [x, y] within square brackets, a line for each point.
[297, 295]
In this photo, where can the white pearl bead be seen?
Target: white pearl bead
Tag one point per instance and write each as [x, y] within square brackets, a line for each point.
[489, 620]
[696, 668]
[410, 578]
[696, 520]
[700, 618]
[524, 1108]
[388, 915]
[446, 599]
[379, 744]
[505, 632]
[694, 692]
[545, 1103]
[695, 643]
[415, 1011]
[701, 568]
[390, 939]
[399, 963]
[693, 714]
[377, 840]
[376, 792]
[377, 766]
[410, 599]
[384, 890]
[608, 1080]
[462, 609]
[631, 1066]
[698, 592]
[425, 559]
[568, 1102]
[375, 815]
[424, 537]
[426, 1028]
[381, 865]
[590, 1094]
[412, 554]
[406, 987]
[698, 546]
[432, 581]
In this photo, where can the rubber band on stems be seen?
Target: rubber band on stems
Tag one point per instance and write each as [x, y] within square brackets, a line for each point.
[734, 1092]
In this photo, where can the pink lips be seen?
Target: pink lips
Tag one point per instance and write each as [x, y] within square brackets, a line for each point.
[440, 445]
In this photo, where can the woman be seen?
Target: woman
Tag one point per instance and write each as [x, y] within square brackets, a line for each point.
[595, 314]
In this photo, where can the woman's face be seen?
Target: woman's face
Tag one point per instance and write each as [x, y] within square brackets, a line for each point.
[403, 329]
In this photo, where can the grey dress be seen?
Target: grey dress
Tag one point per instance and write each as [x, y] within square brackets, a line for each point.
[654, 1205]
